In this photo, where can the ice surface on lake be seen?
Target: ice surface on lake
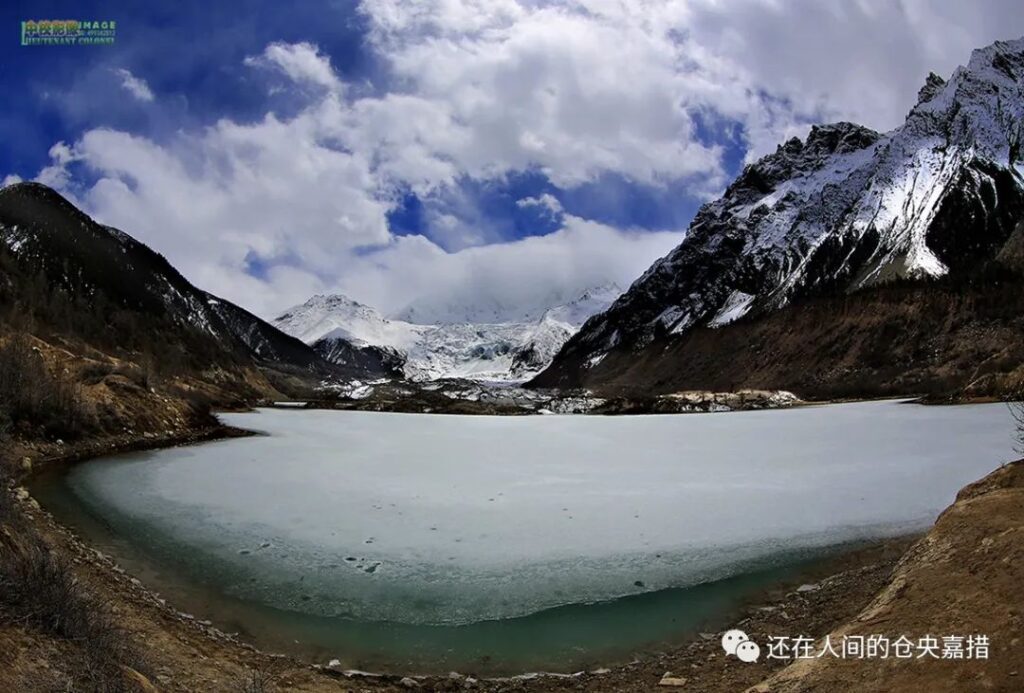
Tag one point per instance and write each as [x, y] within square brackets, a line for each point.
[446, 519]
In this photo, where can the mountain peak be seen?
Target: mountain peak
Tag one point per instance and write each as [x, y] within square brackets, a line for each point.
[933, 84]
[333, 300]
[997, 54]
[843, 209]
[32, 189]
[335, 314]
[801, 156]
[35, 201]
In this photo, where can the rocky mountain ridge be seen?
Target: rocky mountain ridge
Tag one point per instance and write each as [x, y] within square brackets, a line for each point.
[843, 210]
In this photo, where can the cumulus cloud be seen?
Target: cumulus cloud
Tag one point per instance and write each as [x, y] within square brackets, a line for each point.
[572, 90]
[311, 220]
[301, 62]
[268, 212]
[133, 85]
[863, 61]
[214, 200]
[546, 201]
[503, 279]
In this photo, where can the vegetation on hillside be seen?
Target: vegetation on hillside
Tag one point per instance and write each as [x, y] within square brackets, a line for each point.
[35, 401]
[39, 592]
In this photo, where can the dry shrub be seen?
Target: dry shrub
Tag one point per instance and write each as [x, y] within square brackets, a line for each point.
[34, 401]
[1017, 412]
[40, 592]
[257, 680]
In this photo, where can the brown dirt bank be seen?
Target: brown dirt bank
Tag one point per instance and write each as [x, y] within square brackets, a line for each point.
[963, 577]
[178, 652]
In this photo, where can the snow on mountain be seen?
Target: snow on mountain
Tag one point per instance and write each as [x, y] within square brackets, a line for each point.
[590, 302]
[339, 316]
[490, 311]
[844, 209]
[501, 351]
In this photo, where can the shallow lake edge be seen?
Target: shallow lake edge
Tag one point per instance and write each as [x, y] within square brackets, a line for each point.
[858, 556]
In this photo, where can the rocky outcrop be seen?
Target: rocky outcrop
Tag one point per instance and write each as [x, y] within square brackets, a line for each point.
[383, 360]
[932, 86]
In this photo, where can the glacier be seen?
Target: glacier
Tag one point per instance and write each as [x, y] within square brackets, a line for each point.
[500, 351]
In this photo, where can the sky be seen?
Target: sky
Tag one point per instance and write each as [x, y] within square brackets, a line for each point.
[465, 155]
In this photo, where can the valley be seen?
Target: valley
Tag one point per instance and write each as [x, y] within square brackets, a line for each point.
[488, 352]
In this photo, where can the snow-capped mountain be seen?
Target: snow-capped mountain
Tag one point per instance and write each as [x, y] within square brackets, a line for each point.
[845, 209]
[334, 316]
[590, 302]
[482, 351]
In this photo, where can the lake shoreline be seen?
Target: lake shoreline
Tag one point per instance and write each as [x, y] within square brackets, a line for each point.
[861, 571]
[843, 583]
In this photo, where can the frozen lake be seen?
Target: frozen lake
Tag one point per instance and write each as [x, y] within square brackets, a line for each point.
[416, 524]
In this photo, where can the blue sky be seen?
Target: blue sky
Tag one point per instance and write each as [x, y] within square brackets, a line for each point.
[507, 151]
[192, 53]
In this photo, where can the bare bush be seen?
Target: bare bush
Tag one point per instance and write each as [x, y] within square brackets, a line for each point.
[33, 399]
[1017, 412]
[257, 680]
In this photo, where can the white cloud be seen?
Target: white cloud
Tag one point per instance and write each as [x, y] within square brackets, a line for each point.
[249, 194]
[56, 174]
[546, 201]
[480, 89]
[858, 60]
[210, 199]
[301, 62]
[503, 277]
[582, 87]
[574, 91]
[133, 85]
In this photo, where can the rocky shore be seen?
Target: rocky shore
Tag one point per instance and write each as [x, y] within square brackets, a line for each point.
[455, 396]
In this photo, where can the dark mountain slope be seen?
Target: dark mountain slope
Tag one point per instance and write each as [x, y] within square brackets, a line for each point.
[379, 359]
[937, 337]
[72, 276]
